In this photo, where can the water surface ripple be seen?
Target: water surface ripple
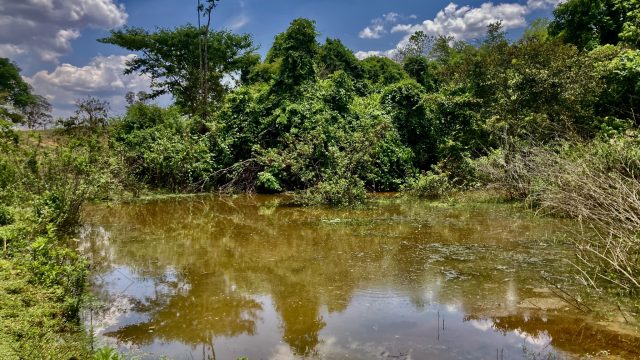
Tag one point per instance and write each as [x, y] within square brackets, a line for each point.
[209, 277]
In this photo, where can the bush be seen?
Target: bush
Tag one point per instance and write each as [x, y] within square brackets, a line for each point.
[65, 177]
[162, 149]
[107, 353]
[56, 267]
[335, 192]
[268, 183]
[6, 216]
[600, 184]
[429, 185]
[596, 182]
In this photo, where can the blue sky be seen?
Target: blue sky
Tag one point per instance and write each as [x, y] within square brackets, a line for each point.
[262, 19]
[54, 41]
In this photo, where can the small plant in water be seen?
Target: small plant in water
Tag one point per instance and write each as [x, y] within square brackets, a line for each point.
[107, 353]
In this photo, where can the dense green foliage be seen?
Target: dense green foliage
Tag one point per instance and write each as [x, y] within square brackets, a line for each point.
[44, 181]
[591, 23]
[42, 276]
[163, 149]
[315, 120]
[171, 61]
[18, 104]
[14, 92]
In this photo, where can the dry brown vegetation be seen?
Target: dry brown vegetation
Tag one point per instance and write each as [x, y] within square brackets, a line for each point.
[599, 185]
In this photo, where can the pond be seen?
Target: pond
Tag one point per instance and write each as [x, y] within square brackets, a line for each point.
[210, 277]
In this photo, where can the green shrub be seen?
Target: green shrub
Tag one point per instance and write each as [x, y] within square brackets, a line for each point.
[335, 192]
[107, 353]
[161, 148]
[268, 183]
[55, 266]
[6, 216]
[429, 185]
[67, 176]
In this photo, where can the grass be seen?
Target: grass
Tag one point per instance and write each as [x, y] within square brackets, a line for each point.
[31, 321]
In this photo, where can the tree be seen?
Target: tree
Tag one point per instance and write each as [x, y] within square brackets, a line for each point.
[38, 113]
[276, 52]
[538, 29]
[496, 36]
[619, 69]
[421, 70]
[334, 56]
[419, 44]
[382, 71]
[404, 102]
[631, 28]
[133, 98]
[171, 59]
[442, 50]
[298, 50]
[91, 114]
[204, 11]
[15, 94]
[589, 23]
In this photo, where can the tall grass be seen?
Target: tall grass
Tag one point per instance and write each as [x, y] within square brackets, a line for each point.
[597, 183]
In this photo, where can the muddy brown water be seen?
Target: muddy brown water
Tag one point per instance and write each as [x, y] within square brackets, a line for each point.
[208, 277]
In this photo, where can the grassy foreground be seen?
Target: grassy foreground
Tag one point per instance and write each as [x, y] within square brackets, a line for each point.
[32, 322]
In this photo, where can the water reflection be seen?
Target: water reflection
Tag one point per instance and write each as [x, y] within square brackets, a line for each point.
[223, 278]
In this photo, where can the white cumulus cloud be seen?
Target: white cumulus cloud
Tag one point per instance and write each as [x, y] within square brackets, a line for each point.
[379, 25]
[102, 77]
[45, 28]
[543, 4]
[460, 22]
[361, 55]
[466, 22]
[372, 32]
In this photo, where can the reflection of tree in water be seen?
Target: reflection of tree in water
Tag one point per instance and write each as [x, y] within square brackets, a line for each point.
[571, 334]
[195, 317]
[301, 320]
[225, 253]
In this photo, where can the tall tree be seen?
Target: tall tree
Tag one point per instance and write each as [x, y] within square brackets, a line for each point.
[204, 11]
[170, 57]
[298, 50]
[38, 113]
[91, 114]
[589, 23]
[334, 56]
[419, 44]
[631, 28]
[15, 94]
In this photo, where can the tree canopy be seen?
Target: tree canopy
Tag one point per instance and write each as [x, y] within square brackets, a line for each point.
[170, 57]
[589, 23]
[16, 97]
